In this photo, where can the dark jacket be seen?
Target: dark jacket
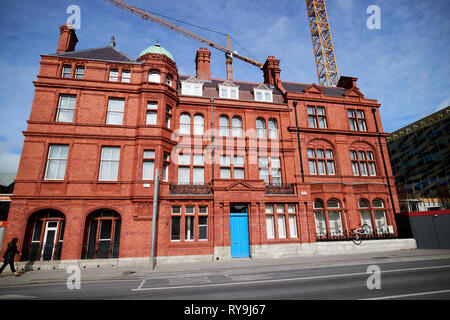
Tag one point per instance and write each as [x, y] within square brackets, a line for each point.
[10, 252]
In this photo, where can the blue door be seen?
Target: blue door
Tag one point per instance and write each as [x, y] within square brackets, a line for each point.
[240, 247]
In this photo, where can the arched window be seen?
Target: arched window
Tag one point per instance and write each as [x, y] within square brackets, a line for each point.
[44, 236]
[318, 204]
[328, 219]
[334, 217]
[321, 161]
[185, 123]
[199, 124]
[273, 129]
[102, 235]
[236, 124]
[260, 128]
[224, 126]
[364, 211]
[154, 76]
[319, 216]
[363, 162]
[333, 203]
[380, 216]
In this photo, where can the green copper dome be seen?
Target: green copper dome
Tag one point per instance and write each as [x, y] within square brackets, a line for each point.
[156, 49]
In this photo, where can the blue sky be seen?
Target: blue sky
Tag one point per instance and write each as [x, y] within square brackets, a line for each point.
[404, 65]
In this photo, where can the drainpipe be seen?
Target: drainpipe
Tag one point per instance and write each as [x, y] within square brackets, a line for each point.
[212, 137]
[154, 218]
[384, 161]
[298, 141]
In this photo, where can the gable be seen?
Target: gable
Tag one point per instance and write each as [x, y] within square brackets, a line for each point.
[354, 92]
[239, 186]
[192, 79]
[314, 88]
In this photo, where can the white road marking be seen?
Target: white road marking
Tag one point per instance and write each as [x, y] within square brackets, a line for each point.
[284, 280]
[409, 295]
[15, 297]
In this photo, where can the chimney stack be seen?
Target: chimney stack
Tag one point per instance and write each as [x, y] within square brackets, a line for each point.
[272, 72]
[202, 61]
[67, 39]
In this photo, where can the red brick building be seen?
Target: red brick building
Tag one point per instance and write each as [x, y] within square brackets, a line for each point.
[102, 122]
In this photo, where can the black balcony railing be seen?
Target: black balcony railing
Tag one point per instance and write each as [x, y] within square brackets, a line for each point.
[280, 189]
[38, 251]
[100, 250]
[190, 188]
[346, 236]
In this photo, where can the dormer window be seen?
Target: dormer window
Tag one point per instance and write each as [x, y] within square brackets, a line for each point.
[263, 93]
[228, 90]
[154, 77]
[192, 87]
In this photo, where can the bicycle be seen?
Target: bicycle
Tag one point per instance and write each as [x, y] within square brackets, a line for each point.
[360, 232]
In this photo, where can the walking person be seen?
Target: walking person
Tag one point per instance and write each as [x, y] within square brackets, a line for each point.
[9, 255]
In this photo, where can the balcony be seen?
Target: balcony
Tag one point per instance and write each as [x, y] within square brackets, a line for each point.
[190, 188]
[280, 189]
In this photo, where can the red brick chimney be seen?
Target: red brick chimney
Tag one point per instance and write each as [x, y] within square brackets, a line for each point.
[347, 82]
[202, 60]
[67, 39]
[272, 71]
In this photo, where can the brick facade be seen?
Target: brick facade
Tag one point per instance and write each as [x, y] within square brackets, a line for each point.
[84, 202]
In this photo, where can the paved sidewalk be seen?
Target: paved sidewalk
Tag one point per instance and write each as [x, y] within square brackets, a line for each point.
[248, 266]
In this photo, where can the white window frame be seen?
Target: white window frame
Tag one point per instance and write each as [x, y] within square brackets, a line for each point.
[59, 159]
[152, 109]
[154, 76]
[126, 79]
[266, 95]
[113, 75]
[112, 160]
[115, 112]
[191, 88]
[226, 91]
[68, 107]
[148, 160]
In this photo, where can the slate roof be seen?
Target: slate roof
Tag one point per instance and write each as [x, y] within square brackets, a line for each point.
[108, 53]
[246, 89]
[210, 89]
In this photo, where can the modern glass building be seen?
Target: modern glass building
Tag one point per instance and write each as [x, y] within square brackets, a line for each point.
[420, 159]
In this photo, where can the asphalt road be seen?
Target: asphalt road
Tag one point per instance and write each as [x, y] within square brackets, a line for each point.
[429, 279]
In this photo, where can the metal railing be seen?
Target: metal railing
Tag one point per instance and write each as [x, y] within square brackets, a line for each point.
[348, 236]
[100, 250]
[280, 189]
[190, 188]
[38, 251]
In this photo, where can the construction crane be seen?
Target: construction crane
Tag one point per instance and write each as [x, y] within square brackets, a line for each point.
[229, 54]
[322, 44]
